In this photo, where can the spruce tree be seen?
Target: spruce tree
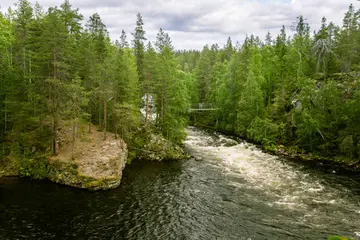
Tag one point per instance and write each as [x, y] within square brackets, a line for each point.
[139, 47]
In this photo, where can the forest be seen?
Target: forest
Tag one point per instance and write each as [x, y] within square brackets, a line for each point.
[55, 69]
[298, 89]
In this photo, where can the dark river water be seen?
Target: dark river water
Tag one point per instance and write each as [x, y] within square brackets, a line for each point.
[235, 192]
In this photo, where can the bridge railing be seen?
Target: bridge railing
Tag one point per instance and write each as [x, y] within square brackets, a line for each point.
[202, 106]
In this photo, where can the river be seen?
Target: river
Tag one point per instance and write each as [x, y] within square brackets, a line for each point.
[235, 192]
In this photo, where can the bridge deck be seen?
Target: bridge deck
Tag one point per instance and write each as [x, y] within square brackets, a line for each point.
[203, 109]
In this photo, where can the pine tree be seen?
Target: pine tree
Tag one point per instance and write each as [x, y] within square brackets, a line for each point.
[150, 80]
[172, 101]
[126, 110]
[123, 42]
[138, 44]
[347, 40]
[6, 43]
[77, 100]
[55, 38]
[203, 74]
[251, 104]
[98, 49]
[24, 14]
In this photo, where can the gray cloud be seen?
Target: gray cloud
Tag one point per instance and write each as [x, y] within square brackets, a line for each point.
[192, 24]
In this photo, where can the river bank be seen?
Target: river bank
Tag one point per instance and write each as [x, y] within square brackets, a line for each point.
[294, 153]
[92, 162]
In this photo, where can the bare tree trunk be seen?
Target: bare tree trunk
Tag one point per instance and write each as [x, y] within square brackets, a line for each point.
[90, 113]
[114, 116]
[5, 112]
[105, 113]
[54, 145]
[73, 139]
[147, 107]
[54, 109]
[162, 112]
[24, 60]
[51, 109]
[74, 130]
[30, 79]
[100, 101]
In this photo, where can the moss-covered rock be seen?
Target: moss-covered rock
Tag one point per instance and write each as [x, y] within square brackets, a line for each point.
[68, 174]
[158, 148]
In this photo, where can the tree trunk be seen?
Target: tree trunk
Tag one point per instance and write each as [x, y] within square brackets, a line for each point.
[54, 108]
[5, 112]
[105, 109]
[74, 130]
[30, 80]
[73, 139]
[90, 109]
[147, 107]
[99, 116]
[114, 116]
[54, 143]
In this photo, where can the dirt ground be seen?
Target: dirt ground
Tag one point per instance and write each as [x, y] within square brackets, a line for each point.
[95, 157]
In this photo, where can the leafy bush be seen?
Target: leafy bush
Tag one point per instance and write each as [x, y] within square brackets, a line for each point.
[338, 238]
[37, 168]
[264, 131]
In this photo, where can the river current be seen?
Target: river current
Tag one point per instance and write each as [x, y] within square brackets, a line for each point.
[235, 191]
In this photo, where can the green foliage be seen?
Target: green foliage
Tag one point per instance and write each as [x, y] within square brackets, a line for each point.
[127, 120]
[264, 131]
[252, 102]
[37, 168]
[338, 238]
[347, 146]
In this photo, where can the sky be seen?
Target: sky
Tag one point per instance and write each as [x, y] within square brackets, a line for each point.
[193, 23]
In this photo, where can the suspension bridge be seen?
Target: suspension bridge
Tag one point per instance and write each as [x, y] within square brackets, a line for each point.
[199, 107]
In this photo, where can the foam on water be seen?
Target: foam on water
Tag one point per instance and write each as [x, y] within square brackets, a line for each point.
[289, 186]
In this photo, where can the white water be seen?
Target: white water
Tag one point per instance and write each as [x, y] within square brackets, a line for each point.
[316, 202]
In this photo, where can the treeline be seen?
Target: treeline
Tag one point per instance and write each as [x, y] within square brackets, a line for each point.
[300, 89]
[54, 70]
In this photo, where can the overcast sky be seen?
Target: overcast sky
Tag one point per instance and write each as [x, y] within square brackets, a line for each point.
[194, 23]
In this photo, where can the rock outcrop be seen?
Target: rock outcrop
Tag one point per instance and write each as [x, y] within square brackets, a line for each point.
[96, 164]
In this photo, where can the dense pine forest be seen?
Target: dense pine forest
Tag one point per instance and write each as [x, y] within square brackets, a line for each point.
[56, 69]
[299, 89]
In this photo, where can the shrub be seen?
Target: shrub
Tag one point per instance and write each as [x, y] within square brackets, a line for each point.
[264, 131]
